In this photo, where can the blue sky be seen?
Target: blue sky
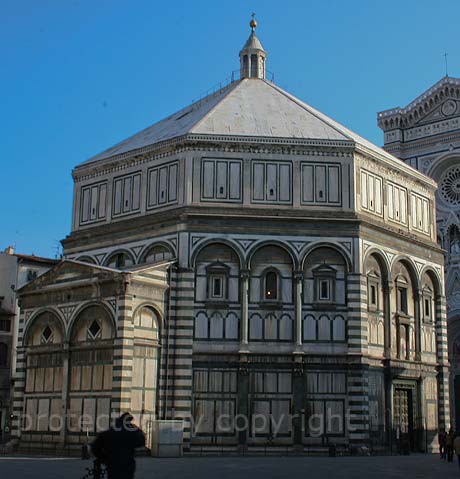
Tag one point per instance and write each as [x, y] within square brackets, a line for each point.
[78, 76]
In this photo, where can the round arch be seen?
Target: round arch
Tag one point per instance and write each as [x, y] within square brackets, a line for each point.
[212, 241]
[36, 316]
[322, 244]
[145, 251]
[443, 163]
[155, 308]
[409, 264]
[435, 278]
[86, 259]
[381, 260]
[280, 244]
[82, 308]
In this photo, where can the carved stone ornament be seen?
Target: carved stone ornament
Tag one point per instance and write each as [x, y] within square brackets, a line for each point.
[449, 108]
[450, 186]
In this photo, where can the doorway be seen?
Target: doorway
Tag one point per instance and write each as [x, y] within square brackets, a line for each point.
[403, 415]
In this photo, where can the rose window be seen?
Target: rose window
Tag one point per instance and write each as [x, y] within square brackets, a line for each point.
[450, 186]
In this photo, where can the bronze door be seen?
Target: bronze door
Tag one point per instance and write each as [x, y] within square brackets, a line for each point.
[403, 417]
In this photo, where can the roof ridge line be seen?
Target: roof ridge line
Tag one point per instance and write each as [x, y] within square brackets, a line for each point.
[309, 109]
[230, 90]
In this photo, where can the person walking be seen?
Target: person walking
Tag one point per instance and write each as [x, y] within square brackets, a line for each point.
[457, 447]
[450, 445]
[116, 447]
[442, 443]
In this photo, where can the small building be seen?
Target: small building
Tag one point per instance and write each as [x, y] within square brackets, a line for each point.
[247, 265]
[16, 270]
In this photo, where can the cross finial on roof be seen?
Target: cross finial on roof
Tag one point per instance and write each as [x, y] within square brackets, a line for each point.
[445, 59]
[253, 23]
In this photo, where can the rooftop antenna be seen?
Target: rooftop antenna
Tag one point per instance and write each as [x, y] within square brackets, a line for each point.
[445, 60]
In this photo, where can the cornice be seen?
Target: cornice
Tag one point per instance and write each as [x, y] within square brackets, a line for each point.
[213, 143]
[401, 172]
[421, 144]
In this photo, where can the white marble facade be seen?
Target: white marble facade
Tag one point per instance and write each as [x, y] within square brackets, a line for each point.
[425, 134]
[300, 272]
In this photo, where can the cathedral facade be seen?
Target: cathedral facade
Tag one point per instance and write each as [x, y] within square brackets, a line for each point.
[251, 267]
[426, 135]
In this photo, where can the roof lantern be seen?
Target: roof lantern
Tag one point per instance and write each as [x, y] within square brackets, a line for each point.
[253, 55]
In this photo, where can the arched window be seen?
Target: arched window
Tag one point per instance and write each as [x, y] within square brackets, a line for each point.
[3, 355]
[119, 260]
[147, 319]
[157, 253]
[271, 286]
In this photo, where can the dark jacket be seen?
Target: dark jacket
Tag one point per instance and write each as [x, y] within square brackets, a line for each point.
[116, 449]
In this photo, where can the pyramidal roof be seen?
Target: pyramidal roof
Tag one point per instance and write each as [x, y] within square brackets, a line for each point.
[249, 107]
[253, 43]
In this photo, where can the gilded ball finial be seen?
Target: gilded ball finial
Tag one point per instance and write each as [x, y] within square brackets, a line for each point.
[253, 23]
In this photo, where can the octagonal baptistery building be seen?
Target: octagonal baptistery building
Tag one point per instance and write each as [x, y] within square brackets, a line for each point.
[252, 267]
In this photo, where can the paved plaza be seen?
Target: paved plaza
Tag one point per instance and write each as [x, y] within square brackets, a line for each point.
[407, 467]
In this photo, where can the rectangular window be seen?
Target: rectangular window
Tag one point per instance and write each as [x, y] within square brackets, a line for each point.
[373, 295]
[271, 182]
[324, 293]
[93, 203]
[371, 192]
[420, 213]
[402, 300]
[217, 289]
[397, 203]
[162, 185]
[5, 325]
[126, 194]
[427, 308]
[221, 180]
[217, 285]
[321, 184]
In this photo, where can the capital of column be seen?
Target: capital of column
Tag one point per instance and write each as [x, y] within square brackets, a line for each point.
[298, 275]
[387, 286]
[244, 274]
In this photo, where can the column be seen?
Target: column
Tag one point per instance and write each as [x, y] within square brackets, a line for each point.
[177, 357]
[123, 353]
[389, 406]
[443, 362]
[298, 392]
[65, 392]
[387, 291]
[242, 418]
[244, 310]
[19, 379]
[358, 373]
[298, 280]
[418, 324]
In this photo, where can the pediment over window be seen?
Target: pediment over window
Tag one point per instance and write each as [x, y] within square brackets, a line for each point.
[324, 268]
[218, 266]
